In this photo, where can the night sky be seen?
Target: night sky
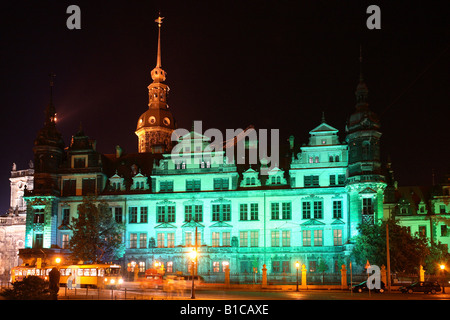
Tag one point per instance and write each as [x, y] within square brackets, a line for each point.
[272, 64]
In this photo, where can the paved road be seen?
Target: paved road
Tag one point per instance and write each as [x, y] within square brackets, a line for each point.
[212, 294]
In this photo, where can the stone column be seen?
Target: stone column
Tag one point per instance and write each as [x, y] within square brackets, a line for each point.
[303, 285]
[344, 284]
[264, 276]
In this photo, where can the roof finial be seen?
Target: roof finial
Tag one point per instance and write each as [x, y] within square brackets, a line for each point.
[159, 22]
[323, 117]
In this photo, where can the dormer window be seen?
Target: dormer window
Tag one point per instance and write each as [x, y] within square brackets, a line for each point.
[79, 162]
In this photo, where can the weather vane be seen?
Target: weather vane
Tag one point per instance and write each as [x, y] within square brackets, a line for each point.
[159, 20]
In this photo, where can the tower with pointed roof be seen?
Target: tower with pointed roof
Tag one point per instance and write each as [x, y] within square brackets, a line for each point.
[48, 151]
[365, 181]
[155, 126]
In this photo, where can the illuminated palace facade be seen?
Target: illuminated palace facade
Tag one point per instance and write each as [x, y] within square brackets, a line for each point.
[305, 209]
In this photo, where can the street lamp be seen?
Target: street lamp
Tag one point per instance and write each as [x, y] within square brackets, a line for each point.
[297, 265]
[193, 256]
[442, 266]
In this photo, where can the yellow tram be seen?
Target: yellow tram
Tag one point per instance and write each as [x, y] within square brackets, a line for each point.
[82, 275]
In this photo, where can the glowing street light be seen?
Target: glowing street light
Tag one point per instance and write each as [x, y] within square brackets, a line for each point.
[193, 256]
[442, 266]
[297, 266]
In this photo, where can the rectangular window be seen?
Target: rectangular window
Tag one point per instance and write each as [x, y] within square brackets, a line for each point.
[275, 236]
[166, 186]
[193, 184]
[88, 186]
[221, 183]
[215, 239]
[332, 180]
[243, 238]
[318, 212]
[337, 209]
[188, 213]
[254, 238]
[286, 238]
[118, 214]
[188, 239]
[144, 215]
[275, 266]
[216, 266]
[69, 187]
[286, 210]
[367, 206]
[215, 212]
[337, 237]
[318, 240]
[226, 238]
[132, 214]
[198, 213]
[341, 179]
[65, 216]
[169, 266]
[307, 180]
[133, 240]
[160, 240]
[160, 214]
[170, 213]
[65, 241]
[306, 210]
[221, 212]
[422, 231]
[275, 211]
[170, 240]
[79, 162]
[306, 238]
[315, 181]
[142, 240]
[253, 211]
[243, 211]
[165, 213]
[444, 230]
[286, 266]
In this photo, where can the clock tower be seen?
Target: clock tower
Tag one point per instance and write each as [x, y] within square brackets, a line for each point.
[155, 126]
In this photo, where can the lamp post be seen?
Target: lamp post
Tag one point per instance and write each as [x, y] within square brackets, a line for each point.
[193, 255]
[297, 265]
[442, 266]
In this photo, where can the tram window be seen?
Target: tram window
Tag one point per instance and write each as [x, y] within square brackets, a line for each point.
[86, 273]
[32, 271]
[101, 272]
[112, 271]
[94, 272]
[80, 272]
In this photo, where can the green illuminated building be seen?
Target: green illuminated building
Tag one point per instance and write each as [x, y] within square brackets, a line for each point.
[305, 209]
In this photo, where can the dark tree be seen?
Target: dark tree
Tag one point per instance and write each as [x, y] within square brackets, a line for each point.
[96, 235]
[407, 252]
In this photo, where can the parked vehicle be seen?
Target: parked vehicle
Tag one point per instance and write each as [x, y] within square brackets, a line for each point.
[363, 287]
[422, 286]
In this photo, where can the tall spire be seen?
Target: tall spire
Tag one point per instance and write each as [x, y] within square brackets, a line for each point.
[158, 74]
[50, 113]
[158, 58]
[361, 89]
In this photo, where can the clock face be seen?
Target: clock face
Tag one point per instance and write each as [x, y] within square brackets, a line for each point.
[152, 120]
[166, 121]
